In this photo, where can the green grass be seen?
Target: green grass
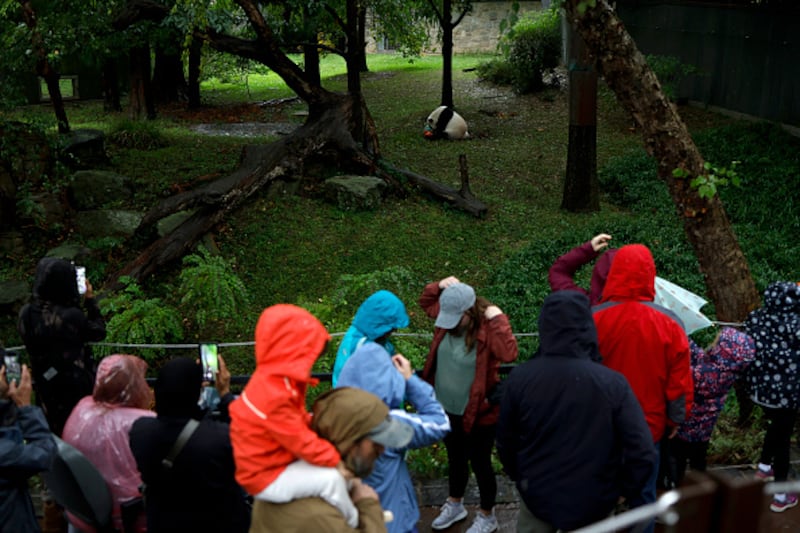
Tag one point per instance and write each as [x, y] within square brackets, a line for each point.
[297, 249]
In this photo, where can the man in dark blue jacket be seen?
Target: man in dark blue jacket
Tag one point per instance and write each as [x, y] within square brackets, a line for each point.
[571, 434]
[26, 448]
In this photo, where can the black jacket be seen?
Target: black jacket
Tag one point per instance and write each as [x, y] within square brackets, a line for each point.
[55, 331]
[571, 434]
[199, 493]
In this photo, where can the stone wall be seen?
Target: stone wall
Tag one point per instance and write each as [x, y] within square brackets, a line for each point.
[478, 32]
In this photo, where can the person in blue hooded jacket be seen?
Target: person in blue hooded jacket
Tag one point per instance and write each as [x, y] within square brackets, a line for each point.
[392, 379]
[377, 318]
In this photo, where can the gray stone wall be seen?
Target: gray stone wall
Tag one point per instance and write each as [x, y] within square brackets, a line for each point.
[478, 32]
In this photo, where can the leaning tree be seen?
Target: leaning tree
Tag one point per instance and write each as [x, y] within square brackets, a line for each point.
[727, 275]
[339, 133]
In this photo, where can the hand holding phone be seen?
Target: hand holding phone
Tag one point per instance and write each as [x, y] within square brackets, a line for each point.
[210, 362]
[80, 275]
[13, 368]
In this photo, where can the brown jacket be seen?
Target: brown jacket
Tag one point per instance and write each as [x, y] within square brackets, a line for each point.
[314, 514]
[496, 344]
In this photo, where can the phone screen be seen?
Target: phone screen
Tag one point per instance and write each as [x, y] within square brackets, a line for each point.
[209, 360]
[13, 370]
[80, 275]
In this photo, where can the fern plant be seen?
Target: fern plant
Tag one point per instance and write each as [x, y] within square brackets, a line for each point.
[136, 319]
[209, 285]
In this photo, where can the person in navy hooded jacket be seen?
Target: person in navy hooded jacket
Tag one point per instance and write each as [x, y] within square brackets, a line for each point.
[571, 433]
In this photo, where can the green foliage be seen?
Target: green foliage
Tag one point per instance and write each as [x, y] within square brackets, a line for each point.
[498, 71]
[210, 287]
[670, 72]
[707, 184]
[138, 134]
[136, 319]
[533, 48]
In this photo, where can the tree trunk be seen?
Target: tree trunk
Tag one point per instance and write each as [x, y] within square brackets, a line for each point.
[447, 53]
[193, 87]
[43, 66]
[362, 39]
[581, 189]
[311, 62]
[168, 84]
[141, 97]
[110, 82]
[727, 275]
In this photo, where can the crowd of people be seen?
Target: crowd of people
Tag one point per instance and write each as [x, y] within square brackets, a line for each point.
[616, 403]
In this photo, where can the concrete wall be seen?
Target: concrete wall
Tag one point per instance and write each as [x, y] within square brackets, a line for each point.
[478, 32]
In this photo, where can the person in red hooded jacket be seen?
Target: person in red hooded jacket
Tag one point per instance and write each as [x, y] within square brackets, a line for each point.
[647, 344]
[279, 458]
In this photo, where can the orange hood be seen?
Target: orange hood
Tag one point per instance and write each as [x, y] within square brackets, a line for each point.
[289, 340]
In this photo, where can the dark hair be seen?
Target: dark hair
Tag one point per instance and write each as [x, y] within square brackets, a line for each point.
[476, 315]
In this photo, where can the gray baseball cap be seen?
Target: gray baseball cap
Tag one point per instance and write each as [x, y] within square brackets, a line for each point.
[453, 302]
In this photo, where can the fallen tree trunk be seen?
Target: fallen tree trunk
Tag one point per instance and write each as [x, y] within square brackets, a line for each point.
[259, 166]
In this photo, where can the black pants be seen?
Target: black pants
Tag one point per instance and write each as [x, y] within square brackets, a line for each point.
[777, 441]
[471, 449]
[682, 452]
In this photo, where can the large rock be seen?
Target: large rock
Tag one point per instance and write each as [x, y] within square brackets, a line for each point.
[96, 189]
[354, 193]
[107, 223]
[13, 295]
[86, 148]
[74, 252]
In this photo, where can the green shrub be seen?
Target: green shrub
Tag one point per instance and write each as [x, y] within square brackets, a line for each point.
[209, 286]
[139, 134]
[535, 49]
[497, 71]
[136, 319]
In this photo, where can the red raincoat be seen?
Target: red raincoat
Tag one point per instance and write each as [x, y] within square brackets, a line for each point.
[644, 341]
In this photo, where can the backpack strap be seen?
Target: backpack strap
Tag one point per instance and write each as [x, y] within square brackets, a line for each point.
[180, 442]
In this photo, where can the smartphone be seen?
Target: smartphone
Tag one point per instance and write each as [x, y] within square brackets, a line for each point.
[80, 275]
[210, 361]
[13, 369]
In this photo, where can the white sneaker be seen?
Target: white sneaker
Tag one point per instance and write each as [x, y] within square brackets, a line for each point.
[450, 513]
[483, 523]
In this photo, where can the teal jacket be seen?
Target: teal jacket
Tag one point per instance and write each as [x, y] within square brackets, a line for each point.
[378, 315]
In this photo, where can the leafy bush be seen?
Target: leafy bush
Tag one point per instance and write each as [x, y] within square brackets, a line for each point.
[497, 71]
[139, 134]
[535, 49]
[211, 288]
[136, 319]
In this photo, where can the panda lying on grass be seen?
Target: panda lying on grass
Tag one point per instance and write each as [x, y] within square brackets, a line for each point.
[444, 123]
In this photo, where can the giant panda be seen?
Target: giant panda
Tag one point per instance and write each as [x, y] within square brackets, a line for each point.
[444, 123]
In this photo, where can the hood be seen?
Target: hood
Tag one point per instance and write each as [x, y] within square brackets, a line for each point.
[632, 275]
[56, 282]
[599, 276]
[289, 340]
[782, 297]
[732, 346]
[120, 381]
[178, 388]
[379, 314]
[566, 327]
[371, 369]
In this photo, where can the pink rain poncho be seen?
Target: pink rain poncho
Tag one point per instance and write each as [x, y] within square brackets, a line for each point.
[99, 425]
